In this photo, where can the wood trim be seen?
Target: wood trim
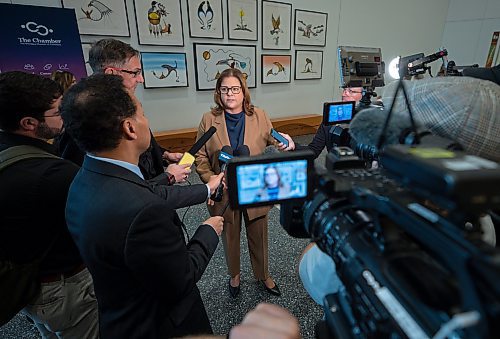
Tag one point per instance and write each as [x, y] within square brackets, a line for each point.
[181, 140]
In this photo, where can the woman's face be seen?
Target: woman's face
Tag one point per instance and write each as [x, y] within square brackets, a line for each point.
[233, 103]
[271, 177]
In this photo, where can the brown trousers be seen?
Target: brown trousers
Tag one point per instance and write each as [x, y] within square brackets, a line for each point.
[257, 244]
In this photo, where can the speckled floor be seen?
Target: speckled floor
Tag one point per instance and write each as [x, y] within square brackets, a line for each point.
[223, 311]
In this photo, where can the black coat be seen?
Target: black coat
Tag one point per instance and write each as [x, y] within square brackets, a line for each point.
[144, 273]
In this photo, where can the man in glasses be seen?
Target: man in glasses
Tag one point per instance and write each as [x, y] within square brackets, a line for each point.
[33, 192]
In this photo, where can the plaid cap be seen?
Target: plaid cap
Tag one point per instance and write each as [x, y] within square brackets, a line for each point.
[464, 109]
[491, 74]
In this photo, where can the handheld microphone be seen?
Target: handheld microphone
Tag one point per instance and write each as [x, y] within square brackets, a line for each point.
[188, 157]
[226, 153]
[242, 151]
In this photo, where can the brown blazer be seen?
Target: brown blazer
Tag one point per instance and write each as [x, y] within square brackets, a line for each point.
[257, 137]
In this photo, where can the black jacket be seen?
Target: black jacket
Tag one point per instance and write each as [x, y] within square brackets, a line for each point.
[32, 200]
[144, 273]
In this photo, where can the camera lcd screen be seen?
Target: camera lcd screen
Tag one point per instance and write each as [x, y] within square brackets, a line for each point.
[338, 112]
[269, 179]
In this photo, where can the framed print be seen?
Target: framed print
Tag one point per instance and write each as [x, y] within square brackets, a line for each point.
[308, 65]
[205, 19]
[211, 59]
[85, 49]
[100, 17]
[242, 19]
[276, 68]
[276, 25]
[310, 28]
[164, 69]
[159, 22]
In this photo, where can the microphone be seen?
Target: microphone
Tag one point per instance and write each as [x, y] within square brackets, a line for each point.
[226, 153]
[188, 157]
[242, 151]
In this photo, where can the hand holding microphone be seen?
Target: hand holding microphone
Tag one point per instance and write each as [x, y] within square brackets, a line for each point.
[225, 155]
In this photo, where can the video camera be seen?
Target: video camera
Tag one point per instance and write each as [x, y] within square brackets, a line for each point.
[405, 237]
[361, 67]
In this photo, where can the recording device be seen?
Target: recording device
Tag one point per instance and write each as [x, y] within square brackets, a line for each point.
[278, 137]
[361, 67]
[417, 63]
[453, 70]
[265, 179]
[188, 157]
[226, 153]
[338, 112]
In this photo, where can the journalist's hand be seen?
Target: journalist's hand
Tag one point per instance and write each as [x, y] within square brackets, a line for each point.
[267, 321]
[216, 223]
[291, 144]
[180, 172]
[214, 182]
[172, 157]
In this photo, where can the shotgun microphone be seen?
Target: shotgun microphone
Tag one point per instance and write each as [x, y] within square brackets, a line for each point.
[188, 157]
[226, 153]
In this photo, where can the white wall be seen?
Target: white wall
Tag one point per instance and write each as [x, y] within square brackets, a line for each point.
[399, 27]
[469, 29]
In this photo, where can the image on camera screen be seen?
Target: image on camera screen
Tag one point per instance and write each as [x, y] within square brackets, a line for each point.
[338, 112]
[271, 182]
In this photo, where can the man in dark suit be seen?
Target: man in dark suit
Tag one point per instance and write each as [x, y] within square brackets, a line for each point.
[144, 273]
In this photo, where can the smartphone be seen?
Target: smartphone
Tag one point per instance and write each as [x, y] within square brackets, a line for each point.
[279, 137]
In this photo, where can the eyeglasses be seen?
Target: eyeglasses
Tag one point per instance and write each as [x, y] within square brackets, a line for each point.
[234, 89]
[134, 74]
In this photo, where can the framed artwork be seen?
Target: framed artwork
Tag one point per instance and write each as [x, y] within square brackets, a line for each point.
[242, 19]
[159, 22]
[276, 25]
[308, 65]
[310, 28]
[161, 70]
[205, 19]
[85, 49]
[211, 59]
[100, 17]
[276, 68]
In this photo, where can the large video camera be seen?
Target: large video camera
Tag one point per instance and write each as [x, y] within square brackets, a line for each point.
[361, 67]
[405, 239]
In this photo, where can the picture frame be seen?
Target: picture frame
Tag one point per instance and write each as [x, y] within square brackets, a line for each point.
[104, 17]
[276, 25]
[211, 59]
[242, 21]
[86, 46]
[164, 69]
[159, 22]
[276, 68]
[205, 19]
[310, 28]
[308, 65]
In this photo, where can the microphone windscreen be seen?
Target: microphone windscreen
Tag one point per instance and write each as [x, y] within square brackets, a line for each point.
[229, 151]
[202, 140]
[242, 151]
[366, 127]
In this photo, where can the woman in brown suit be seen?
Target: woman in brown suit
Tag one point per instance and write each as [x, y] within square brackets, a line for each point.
[238, 123]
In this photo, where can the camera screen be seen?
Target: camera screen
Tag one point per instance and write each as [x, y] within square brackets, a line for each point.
[266, 180]
[338, 112]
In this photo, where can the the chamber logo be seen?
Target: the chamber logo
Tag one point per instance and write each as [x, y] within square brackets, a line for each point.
[33, 27]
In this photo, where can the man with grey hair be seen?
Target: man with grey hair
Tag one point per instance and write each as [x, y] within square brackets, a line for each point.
[111, 56]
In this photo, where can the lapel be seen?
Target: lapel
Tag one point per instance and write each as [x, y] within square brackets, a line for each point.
[112, 170]
[220, 124]
[250, 127]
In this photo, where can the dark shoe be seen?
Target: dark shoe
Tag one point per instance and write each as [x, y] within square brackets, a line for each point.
[233, 291]
[273, 290]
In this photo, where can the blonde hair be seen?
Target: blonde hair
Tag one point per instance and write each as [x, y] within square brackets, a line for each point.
[248, 108]
[63, 79]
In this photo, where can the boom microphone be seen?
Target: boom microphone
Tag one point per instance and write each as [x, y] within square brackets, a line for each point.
[188, 157]
[226, 153]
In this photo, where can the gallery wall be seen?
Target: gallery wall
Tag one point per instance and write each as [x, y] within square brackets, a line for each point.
[469, 29]
[399, 27]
